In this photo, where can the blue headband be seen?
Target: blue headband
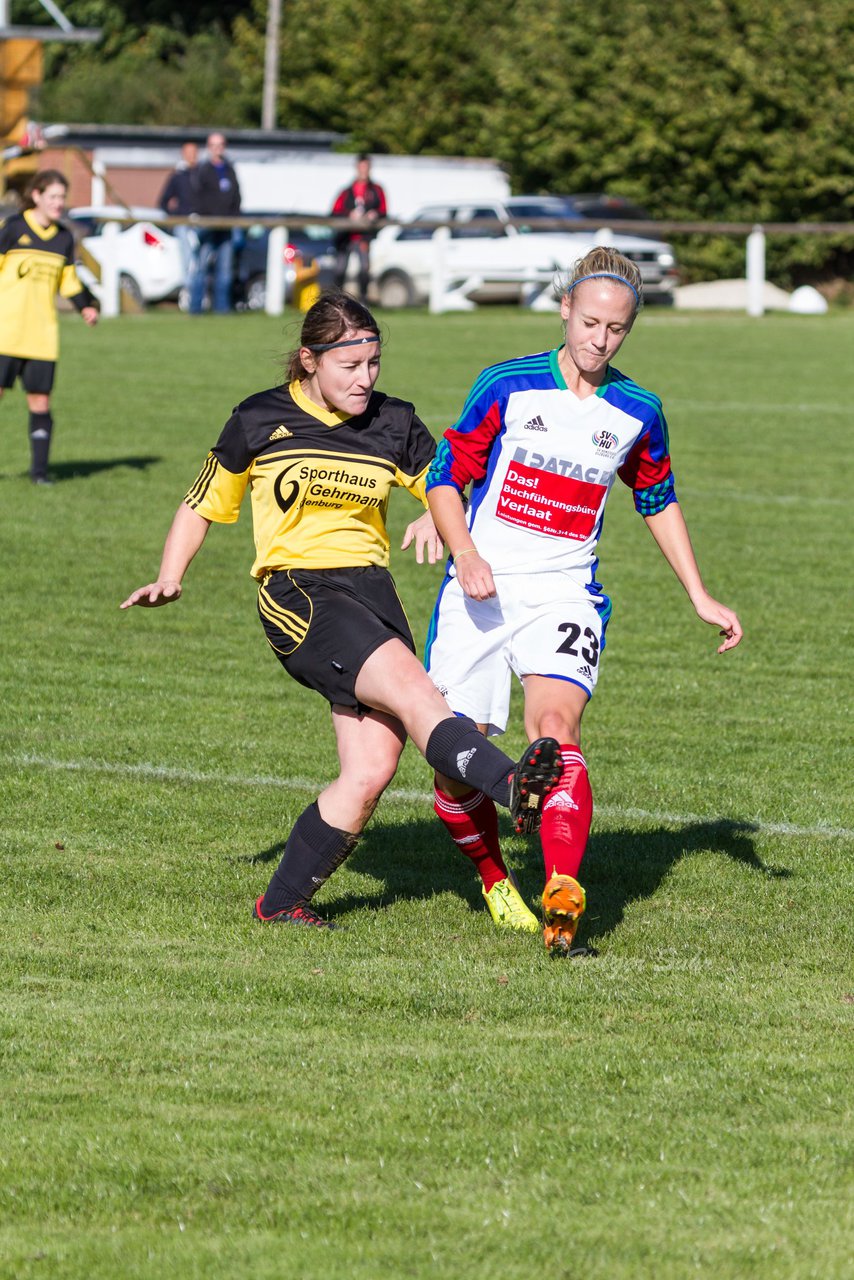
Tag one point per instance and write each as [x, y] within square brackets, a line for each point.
[348, 342]
[610, 275]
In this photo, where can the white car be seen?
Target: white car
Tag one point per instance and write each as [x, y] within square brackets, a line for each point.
[147, 256]
[499, 259]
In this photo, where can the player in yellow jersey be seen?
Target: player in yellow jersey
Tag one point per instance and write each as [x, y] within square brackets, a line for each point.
[36, 264]
[320, 457]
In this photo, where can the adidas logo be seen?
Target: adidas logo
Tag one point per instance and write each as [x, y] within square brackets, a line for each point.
[586, 672]
[560, 800]
[535, 424]
[463, 759]
[281, 433]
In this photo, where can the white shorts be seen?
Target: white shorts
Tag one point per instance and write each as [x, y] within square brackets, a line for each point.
[545, 624]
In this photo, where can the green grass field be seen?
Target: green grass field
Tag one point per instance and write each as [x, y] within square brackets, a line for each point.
[186, 1094]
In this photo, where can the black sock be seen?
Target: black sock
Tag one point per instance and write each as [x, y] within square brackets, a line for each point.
[457, 748]
[41, 427]
[313, 851]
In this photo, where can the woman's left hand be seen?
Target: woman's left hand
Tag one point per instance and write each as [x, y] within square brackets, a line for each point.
[718, 615]
[423, 533]
[90, 315]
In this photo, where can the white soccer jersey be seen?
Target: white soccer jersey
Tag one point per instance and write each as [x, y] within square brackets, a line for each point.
[541, 463]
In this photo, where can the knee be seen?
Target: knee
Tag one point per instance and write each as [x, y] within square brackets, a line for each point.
[555, 724]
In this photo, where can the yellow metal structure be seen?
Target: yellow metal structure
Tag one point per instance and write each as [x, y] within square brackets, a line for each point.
[306, 287]
[21, 69]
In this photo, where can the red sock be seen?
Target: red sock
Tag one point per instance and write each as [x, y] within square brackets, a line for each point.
[472, 823]
[567, 813]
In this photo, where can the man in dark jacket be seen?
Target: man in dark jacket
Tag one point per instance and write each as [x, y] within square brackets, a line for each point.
[176, 199]
[215, 194]
[362, 200]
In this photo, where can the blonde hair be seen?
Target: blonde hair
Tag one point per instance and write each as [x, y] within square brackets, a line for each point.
[609, 264]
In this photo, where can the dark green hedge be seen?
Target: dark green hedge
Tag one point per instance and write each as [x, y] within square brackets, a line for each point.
[726, 110]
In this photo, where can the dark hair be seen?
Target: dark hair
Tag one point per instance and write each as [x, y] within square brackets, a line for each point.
[41, 181]
[363, 155]
[335, 315]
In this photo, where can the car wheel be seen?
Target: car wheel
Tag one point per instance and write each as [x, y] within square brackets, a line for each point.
[395, 290]
[256, 294]
[131, 292]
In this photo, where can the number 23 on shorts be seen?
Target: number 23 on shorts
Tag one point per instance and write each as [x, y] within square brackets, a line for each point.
[579, 649]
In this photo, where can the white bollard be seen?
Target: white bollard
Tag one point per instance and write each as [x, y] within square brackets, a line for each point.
[109, 292]
[274, 304]
[756, 272]
[438, 281]
[98, 192]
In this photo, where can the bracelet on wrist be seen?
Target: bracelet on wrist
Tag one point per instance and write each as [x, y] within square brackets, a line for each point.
[469, 551]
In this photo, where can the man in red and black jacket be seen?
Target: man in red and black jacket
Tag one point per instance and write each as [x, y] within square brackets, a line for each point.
[363, 200]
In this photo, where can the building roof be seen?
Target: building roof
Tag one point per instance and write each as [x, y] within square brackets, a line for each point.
[89, 136]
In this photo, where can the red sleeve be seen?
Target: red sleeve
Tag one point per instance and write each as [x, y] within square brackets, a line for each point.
[381, 205]
[463, 456]
[339, 209]
[641, 469]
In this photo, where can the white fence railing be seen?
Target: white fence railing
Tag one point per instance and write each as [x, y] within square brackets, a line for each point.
[444, 297]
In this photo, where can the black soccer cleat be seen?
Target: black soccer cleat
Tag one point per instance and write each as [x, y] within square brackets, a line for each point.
[301, 914]
[535, 777]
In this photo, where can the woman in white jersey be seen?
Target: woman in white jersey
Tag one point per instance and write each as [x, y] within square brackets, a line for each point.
[539, 444]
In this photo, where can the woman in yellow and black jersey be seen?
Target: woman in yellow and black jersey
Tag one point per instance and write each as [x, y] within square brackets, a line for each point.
[319, 458]
[36, 264]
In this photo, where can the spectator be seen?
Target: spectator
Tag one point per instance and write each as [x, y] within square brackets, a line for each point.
[176, 199]
[216, 194]
[362, 201]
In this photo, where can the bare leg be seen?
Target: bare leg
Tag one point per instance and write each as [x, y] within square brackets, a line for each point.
[325, 833]
[369, 748]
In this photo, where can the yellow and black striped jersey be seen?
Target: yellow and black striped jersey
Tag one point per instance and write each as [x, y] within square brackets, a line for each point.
[36, 263]
[319, 481]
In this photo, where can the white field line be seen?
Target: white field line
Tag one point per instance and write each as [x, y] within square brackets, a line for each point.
[169, 773]
[753, 406]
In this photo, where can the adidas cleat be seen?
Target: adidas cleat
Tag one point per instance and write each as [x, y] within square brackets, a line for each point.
[535, 776]
[508, 909]
[302, 914]
[564, 901]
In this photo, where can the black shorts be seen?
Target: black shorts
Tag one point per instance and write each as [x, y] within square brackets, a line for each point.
[323, 624]
[36, 375]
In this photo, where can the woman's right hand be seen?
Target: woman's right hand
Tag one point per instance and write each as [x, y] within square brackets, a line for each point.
[153, 595]
[474, 576]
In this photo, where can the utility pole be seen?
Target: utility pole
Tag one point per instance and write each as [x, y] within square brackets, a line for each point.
[271, 64]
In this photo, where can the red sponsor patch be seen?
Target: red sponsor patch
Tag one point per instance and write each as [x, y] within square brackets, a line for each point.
[549, 503]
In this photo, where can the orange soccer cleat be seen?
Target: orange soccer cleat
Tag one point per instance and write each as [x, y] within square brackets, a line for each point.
[564, 901]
